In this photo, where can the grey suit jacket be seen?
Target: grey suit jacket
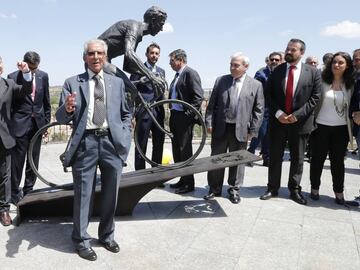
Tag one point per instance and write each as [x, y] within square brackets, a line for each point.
[117, 113]
[250, 109]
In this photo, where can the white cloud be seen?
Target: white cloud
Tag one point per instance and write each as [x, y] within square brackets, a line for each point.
[6, 16]
[345, 29]
[167, 28]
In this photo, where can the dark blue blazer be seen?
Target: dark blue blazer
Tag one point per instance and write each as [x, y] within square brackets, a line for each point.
[23, 109]
[117, 113]
[146, 89]
[188, 87]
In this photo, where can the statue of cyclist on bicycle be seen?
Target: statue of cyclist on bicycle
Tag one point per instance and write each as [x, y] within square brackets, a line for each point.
[123, 38]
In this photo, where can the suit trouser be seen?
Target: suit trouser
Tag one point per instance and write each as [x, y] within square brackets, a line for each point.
[332, 140]
[263, 138]
[145, 126]
[18, 155]
[95, 151]
[279, 135]
[182, 128]
[5, 173]
[236, 174]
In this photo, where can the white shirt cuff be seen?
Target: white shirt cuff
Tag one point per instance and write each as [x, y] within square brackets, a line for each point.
[278, 113]
[27, 76]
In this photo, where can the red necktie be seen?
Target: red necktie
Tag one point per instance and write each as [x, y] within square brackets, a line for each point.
[289, 90]
[33, 89]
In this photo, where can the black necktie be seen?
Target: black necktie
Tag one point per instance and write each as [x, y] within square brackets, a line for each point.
[231, 110]
[99, 105]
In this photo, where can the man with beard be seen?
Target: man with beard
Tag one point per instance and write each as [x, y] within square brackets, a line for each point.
[123, 37]
[293, 91]
[147, 125]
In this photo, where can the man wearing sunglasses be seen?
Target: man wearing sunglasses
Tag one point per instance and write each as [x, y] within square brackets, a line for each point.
[30, 113]
[262, 75]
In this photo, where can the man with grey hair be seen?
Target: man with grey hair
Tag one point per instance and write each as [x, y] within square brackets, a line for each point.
[185, 86]
[9, 91]
[312, 61]
[233, 116]
[95, 103]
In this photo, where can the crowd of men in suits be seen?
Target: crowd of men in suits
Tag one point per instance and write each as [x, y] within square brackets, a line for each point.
[268, 107]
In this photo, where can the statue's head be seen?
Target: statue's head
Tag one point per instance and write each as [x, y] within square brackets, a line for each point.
[156, 18]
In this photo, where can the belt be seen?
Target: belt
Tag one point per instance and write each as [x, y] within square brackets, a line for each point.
[98, 132]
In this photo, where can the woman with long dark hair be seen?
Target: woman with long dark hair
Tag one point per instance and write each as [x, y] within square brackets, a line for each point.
[333, 130]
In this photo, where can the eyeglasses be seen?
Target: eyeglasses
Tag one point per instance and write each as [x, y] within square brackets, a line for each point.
[32, 67]
[234, 65]
[92, 53]
[274, 59]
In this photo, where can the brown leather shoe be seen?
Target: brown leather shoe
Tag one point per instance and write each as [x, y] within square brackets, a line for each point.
[5, 218]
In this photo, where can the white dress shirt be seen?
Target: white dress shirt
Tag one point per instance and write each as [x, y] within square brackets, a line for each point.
[89, 123]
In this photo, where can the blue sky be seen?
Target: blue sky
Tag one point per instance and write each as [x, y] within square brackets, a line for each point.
[209, 31]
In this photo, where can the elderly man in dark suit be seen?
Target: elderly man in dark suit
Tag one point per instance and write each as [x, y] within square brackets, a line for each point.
[294, 91]
[233, 116]
[9, 90]
[146, 124]
[29, 114]
[95, 103]
[186, 86]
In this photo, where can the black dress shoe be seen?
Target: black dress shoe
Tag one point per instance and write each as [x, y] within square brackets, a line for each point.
[268, 195]
[111, 246]
[87, 254]
[176, 185]
[234, 198]
[211, 196]
[184, 189]
[314, 196]
[340, 201]
[298, 197]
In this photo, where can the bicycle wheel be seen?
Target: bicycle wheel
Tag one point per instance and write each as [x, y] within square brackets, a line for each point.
[57, 134]
[199, 130]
